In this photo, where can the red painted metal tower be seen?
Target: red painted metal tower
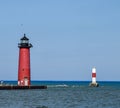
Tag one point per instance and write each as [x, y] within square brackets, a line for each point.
[24, 77]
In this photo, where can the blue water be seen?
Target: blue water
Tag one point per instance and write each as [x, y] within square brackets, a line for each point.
[63, 94]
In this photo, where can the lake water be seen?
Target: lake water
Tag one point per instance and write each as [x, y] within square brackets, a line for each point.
[63, 94]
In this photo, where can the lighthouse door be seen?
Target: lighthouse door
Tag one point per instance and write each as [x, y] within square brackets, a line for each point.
[26, 81]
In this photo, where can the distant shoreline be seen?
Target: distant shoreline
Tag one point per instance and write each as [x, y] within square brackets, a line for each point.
[60, 81]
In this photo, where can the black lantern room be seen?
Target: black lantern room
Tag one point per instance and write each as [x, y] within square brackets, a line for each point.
[24, 42]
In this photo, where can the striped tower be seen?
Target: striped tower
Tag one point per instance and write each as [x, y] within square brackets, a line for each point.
[94, 83]
[94, 75]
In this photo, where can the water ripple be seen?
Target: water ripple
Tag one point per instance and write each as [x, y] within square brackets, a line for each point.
[61, 97]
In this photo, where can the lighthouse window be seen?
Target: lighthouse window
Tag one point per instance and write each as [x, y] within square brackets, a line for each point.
[24, 41]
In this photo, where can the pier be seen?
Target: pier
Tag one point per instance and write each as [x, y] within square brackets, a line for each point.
[15, 87]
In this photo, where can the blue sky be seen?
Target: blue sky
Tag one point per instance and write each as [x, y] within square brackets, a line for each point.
[69, 37]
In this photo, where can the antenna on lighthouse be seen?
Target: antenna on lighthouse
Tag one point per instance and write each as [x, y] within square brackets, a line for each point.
[94, 83]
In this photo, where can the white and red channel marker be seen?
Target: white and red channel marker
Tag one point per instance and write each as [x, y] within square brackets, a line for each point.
[93, 75]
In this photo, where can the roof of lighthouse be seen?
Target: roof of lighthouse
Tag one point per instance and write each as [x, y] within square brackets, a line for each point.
[24, 37]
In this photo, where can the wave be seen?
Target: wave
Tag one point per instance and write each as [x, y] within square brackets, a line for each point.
[64, 86]
[60, 85]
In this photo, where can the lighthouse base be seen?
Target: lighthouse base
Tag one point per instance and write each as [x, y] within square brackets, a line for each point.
[94, 85]
[14, 87]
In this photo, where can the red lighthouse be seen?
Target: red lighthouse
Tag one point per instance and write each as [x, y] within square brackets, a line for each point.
[24, 62]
